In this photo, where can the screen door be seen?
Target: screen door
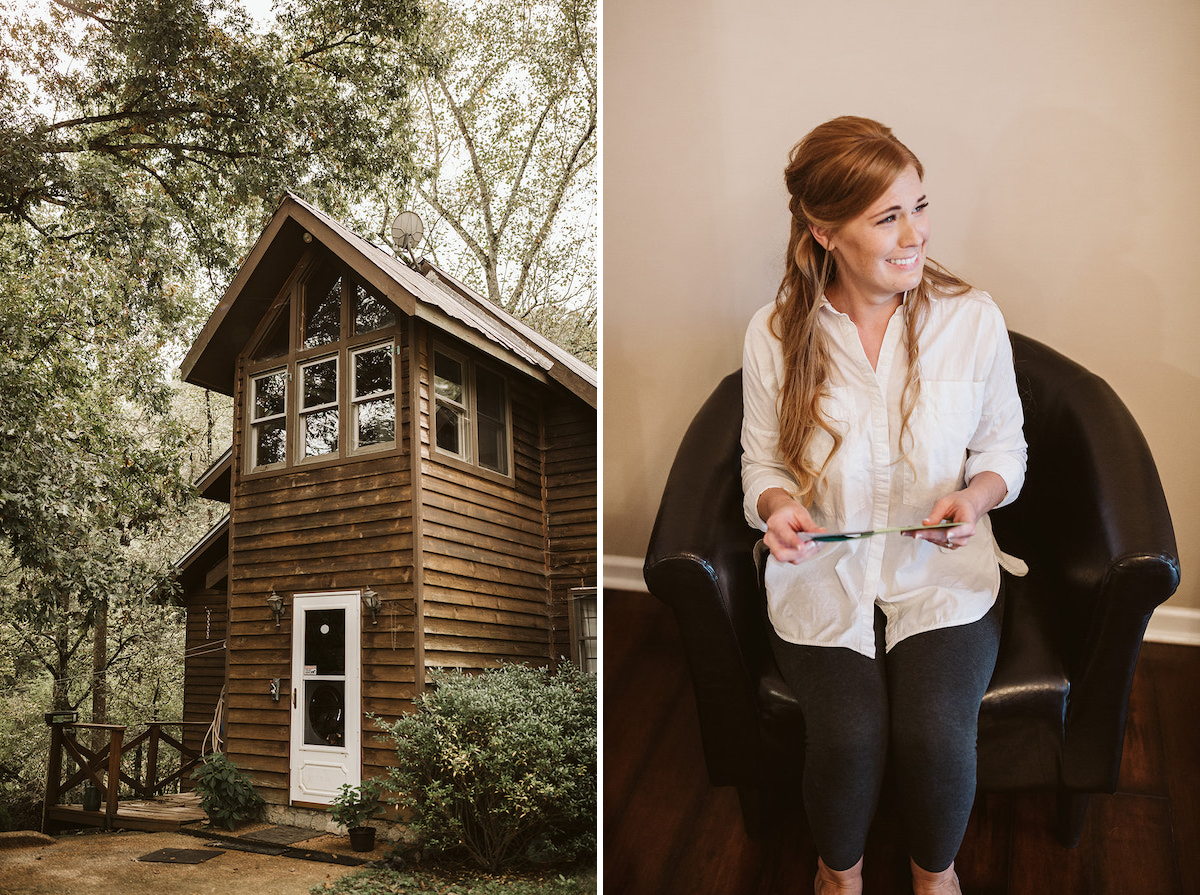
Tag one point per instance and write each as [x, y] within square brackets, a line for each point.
[326, 712]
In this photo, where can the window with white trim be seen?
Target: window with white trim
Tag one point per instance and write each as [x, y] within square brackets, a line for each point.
[583, 627]
[374, 396]
[268, 419]
[471, 415]
[319, 407]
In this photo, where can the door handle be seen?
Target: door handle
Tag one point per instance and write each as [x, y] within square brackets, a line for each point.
[293, 697]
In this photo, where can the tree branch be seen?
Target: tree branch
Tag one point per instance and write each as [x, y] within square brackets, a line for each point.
[576, 163]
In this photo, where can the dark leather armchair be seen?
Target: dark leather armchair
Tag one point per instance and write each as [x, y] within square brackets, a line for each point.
[1091, 522]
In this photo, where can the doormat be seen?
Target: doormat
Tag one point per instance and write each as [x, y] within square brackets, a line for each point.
[180, 856]
[324, 857]
[281, 835]
[255, 848]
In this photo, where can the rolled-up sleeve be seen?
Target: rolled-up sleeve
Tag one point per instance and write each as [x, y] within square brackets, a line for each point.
[762, 468]
[999, 442]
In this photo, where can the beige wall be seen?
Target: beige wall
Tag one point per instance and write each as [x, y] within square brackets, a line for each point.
[1061, 142]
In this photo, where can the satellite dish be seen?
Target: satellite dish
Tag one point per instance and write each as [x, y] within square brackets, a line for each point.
[407, 230]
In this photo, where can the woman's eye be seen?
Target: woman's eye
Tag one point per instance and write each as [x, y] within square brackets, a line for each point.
[922, 207]
[889, 219]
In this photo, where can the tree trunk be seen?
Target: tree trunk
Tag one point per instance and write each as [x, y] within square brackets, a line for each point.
[100, 664]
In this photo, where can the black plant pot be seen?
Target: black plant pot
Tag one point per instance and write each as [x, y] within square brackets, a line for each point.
[91, 798]
[362, 838]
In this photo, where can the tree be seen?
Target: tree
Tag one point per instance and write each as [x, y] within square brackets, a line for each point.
[141, 143]
[504, 129]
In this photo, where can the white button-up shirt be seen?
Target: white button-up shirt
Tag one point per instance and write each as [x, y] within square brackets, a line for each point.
[967, 420]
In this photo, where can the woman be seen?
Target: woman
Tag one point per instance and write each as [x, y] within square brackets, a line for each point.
[879, 392]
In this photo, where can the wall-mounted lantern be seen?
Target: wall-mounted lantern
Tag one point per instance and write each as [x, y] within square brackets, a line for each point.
[276, 603]
[371, 601]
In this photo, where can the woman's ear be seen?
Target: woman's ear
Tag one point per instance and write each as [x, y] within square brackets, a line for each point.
[822, 236]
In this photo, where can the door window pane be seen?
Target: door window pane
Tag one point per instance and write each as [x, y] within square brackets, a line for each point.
[325, 641]
[325, 713]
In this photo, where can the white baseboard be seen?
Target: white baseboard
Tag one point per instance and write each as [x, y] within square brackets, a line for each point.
[624, 573]
[1169, 624]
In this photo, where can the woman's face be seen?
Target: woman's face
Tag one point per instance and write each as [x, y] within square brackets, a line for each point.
[882, 252]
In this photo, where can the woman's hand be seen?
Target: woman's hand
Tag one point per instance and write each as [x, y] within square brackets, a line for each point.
[786, 519]
[966, 507]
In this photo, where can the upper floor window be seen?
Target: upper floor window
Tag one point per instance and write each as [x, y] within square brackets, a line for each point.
[471, 414]
[268, 419]
[331, 338]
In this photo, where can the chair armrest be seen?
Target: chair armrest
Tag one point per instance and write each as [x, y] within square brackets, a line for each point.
[1130, 565]
[700, 563]
[1092, 517]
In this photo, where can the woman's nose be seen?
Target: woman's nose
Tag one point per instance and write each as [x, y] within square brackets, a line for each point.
[910, 234]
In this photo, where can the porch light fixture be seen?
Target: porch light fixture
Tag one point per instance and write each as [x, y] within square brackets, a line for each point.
[276, 603]
[371, 601]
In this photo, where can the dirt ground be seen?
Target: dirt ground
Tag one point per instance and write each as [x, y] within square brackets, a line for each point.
[107, 864]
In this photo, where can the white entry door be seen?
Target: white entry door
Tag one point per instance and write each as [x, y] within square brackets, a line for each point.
[326, 695]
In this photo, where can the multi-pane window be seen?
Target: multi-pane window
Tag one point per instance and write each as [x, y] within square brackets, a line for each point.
[450, 416]
[471, 412]
[583, 627]
[268, 419]
[319, 407]
[331, 340]
[491, 413]
[374, 396]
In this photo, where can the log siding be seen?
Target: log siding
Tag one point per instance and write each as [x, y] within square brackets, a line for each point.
[473, 567]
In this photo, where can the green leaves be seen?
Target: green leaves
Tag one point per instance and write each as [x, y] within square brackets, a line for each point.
[226, 795]
[502, 764]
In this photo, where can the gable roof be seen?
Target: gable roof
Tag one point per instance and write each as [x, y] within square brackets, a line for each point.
[430, 295]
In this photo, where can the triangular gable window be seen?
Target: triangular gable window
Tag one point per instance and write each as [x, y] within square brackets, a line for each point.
[275, 343]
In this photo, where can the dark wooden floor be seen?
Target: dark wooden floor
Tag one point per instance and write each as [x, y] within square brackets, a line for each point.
[667, 831]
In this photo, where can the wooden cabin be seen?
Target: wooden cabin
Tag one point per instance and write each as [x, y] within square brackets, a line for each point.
[411, 485]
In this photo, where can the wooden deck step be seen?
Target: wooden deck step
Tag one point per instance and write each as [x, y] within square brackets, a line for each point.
[164, 813]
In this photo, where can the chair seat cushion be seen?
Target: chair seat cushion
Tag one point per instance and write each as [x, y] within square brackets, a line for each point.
[1020, 721]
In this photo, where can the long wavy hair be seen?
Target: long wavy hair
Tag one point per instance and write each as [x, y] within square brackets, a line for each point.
[833, 175]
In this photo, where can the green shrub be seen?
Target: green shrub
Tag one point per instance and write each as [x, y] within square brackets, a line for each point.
[354, 806]
[502, 764]
[225, 792]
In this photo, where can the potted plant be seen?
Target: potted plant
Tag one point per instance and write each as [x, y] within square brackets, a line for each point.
[353, 807]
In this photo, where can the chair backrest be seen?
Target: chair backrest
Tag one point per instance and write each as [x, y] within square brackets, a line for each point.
[1078, 430]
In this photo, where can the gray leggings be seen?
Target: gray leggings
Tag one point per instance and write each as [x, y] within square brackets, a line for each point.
[923, 698]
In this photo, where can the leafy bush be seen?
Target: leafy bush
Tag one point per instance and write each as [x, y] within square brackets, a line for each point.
[502, 764]
[354, 806]
[383, 881]
[225, 792]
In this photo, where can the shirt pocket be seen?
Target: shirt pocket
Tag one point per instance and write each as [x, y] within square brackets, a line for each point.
[942, 425]
[846, 492]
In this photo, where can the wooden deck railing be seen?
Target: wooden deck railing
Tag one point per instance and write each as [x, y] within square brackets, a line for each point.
[101, 766]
